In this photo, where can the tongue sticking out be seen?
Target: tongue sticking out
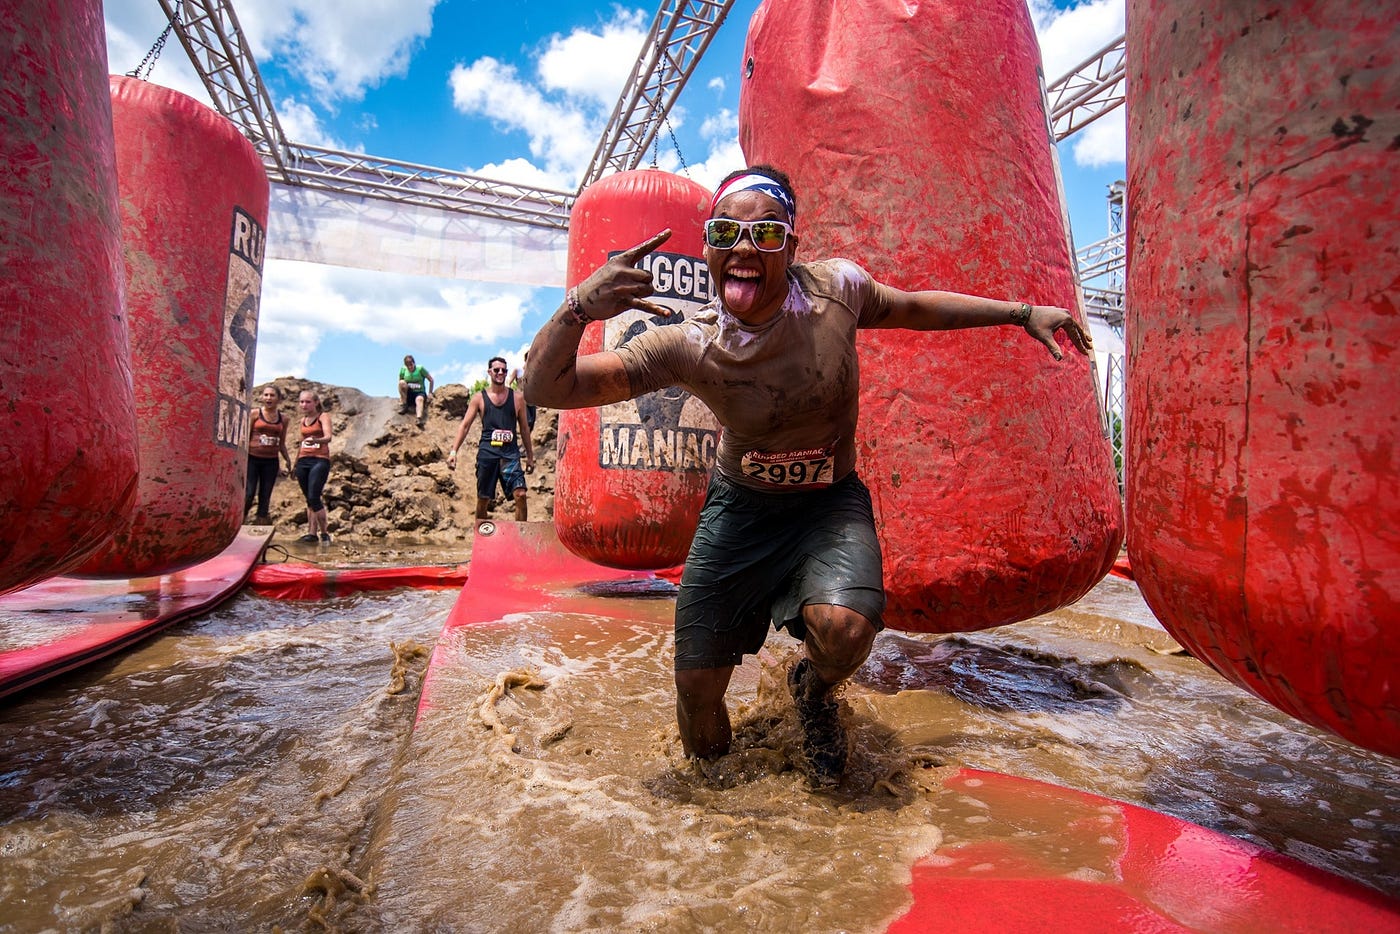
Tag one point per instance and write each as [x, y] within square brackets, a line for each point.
[740, 294]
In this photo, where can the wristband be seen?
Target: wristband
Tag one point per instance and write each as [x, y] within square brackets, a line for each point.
[1021, 314]
[571, 301]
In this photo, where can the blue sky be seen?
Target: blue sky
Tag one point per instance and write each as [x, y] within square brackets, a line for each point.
[509, 90]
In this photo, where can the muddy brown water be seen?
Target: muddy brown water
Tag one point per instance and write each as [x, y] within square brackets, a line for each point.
[258, 768]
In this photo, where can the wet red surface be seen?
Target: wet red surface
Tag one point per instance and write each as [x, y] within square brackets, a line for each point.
[521, 567]
[62, 623]
[194, 201]
[297, 581]
[69, 446]
[627, 499]
[1050, 858]
[1263, 493]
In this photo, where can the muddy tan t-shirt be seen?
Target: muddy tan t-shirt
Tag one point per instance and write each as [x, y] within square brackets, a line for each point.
[787, 392]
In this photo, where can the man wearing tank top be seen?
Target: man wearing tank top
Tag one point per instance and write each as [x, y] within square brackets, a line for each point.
[787, 533]
[504, 428]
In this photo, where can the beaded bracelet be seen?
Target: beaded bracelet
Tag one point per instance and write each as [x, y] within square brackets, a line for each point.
[1021, 314]
[575, 307]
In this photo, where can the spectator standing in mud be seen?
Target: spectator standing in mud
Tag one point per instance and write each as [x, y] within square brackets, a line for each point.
[314, 464]
[503, 427]
[412, 397]
[268, 438]
[787, 532]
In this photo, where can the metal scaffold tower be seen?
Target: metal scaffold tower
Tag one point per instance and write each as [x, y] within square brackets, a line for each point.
[1101, 267]
[1114, 406]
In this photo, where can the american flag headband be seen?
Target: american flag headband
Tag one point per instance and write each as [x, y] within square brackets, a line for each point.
[760, 183]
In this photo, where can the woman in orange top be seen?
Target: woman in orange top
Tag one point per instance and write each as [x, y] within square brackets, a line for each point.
[314, 464]
[269, 438]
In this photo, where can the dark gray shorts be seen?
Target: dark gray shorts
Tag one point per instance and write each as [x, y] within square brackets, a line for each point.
[759, 558]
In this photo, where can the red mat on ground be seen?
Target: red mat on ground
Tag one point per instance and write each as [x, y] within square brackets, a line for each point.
[64, 622]
[520, 567]
[1052, 859]
[299, 581]
[1043, 858]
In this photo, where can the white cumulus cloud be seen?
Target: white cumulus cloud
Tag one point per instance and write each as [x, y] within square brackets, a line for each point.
[564, 106]
[1069, 37]
[340, 47]
[301, 302]
[301, 124]
[595, 65]
[1103, 142]
[559, 133]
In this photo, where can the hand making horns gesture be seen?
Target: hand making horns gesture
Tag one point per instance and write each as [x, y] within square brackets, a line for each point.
[618, 284]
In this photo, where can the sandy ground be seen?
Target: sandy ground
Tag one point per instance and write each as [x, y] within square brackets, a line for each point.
[391, 497]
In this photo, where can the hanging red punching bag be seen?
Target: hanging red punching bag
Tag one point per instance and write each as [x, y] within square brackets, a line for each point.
[632, 476]
[1263, 248]
[194, 200]
[69, 442]
[994, 491]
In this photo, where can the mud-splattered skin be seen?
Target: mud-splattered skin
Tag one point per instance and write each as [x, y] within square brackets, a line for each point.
[788, 384]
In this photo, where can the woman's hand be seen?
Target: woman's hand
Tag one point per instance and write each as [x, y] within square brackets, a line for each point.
[619, 285]
[1045, 320]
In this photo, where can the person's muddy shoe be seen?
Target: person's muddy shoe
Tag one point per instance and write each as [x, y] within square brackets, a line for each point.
[823, 739]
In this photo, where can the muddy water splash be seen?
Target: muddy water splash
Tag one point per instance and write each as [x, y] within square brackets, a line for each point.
[205, 777]
[253, 769]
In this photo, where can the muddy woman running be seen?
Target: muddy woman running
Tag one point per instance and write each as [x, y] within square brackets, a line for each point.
[787, 534]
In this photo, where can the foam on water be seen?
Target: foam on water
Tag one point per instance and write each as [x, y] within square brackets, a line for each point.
[258, 767]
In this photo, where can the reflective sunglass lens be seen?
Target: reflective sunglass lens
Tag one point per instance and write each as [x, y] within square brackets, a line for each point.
[768, 236]
[724, 234]
[721, 234]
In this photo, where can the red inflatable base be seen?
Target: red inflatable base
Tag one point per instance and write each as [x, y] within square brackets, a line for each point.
[298, 581]
[1052, 859]
[520, 567]
[62, 623]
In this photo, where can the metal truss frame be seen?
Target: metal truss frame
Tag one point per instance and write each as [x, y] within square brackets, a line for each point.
[1104, 259]
[212, 38]
[1115, 407]
[209, 32]
[1103, 263]
[1091, 89]
[680, 34]
[357, 174]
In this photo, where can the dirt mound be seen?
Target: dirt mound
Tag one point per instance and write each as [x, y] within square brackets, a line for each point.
[389, 478]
